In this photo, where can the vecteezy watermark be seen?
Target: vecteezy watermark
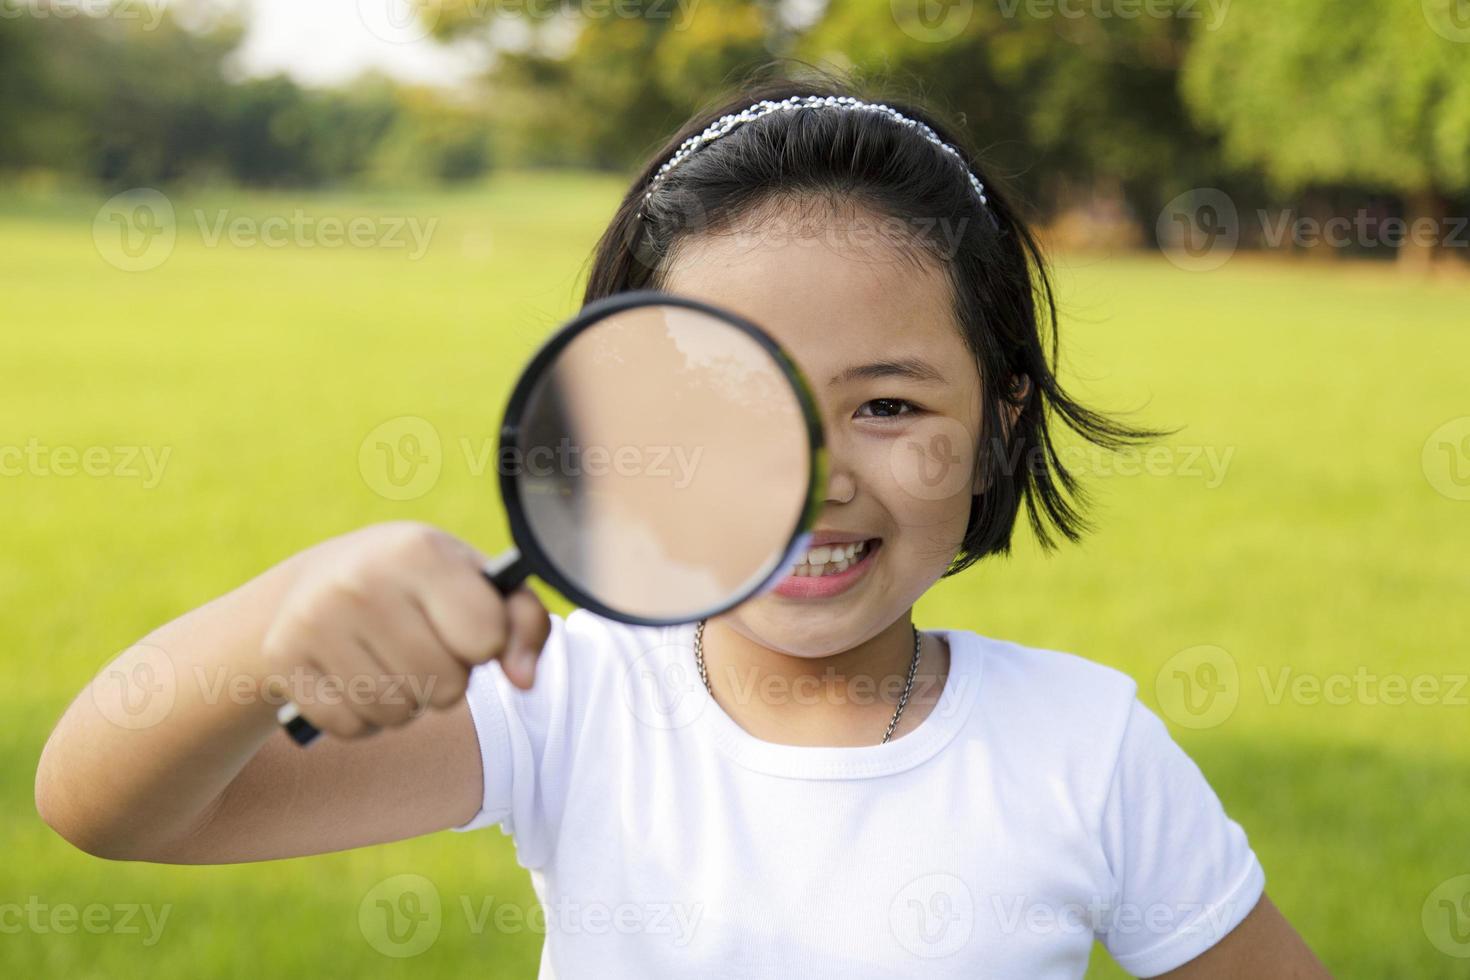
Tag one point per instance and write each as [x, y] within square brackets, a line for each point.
[135, 231]
[410, 21]
[1446, 917]
[403, 916]
[934, 461]
[1445, 459]
[932, 21]
[300, 229]
[1211, 13]
[140, 688]
[1450, 19]
[95, 918]
[933, 915]
[1021, 913]
[1363, 686]
[150, 12]
[748, 685]
[881, 237]
[1363, 229]
[662, 688]
[1198, 687]
[1201, 686]
[402, 459]
[138, 230]
[1200, 230]
[42, 461]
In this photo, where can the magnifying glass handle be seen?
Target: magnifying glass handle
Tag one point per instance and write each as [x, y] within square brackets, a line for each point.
[505, 572]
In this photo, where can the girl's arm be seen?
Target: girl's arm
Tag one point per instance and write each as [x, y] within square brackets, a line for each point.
[209, 777]
[1263, 945]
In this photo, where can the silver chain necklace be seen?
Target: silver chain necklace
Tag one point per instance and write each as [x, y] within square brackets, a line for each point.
[903, 698]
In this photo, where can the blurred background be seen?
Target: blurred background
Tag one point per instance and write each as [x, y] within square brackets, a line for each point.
[248, 245]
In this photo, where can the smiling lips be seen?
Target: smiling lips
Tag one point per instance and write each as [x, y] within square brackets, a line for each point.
[828, 570]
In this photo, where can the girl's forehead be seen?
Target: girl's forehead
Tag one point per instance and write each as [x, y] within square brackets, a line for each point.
[826, 302]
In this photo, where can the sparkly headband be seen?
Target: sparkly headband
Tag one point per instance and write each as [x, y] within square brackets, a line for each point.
[765, 107]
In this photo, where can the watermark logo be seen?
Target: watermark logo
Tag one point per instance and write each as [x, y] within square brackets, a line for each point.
[402, 458]
[40, 460]
[1362, 687]
[65, 919]
[1198, 687]
[150, 12]
[137, 690]
[401, 916]
[681, 215]
[1450, 19]
[933, 916]
[1199, 230]
[135, 231]
[932, 21]
[1017, 913]
[1446, 459]
[1446, 917]
[398, 21]
[1211, 12]
[933, 461]
[662, 687]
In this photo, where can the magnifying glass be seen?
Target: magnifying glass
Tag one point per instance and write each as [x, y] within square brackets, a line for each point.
[661, 461]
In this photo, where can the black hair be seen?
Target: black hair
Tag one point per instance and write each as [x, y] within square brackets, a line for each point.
[1002, 294]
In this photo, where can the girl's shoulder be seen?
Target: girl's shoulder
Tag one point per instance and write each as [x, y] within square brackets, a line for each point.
[1057, 709]
[1032, 674]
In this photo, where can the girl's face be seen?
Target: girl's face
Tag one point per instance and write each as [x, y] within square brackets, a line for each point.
[899, 395]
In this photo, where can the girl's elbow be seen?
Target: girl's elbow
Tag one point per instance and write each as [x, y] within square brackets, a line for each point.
[70, 822]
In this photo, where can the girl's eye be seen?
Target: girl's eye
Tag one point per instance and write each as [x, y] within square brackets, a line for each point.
[889, 408]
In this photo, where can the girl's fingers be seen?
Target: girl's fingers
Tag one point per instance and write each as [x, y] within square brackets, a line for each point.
[463, 609]
[321, 705]
[424, 672]
[530, 626]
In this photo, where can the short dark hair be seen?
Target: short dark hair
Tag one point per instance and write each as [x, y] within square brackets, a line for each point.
[1002, 293]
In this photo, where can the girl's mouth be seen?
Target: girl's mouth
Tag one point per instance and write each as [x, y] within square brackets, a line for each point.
[830, 570]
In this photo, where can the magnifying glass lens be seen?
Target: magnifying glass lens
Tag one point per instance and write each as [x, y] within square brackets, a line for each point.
[663, 461]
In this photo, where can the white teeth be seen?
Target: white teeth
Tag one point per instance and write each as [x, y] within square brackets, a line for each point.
[830, 559]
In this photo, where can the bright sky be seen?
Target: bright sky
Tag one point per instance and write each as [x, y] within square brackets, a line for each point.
[327, 41]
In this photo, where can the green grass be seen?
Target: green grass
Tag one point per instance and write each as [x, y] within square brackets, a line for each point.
[1323, 549]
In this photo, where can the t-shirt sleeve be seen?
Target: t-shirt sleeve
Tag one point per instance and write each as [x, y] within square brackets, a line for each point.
[1183, 872]
[525, 742]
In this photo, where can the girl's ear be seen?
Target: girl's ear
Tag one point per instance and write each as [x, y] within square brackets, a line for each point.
[1020, 390]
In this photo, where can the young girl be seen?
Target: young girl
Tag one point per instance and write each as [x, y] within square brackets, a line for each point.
[808, 785]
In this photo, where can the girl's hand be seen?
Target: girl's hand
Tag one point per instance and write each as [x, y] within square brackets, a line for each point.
[387, 622]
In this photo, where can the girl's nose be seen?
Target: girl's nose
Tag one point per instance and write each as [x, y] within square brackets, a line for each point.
[841, 486]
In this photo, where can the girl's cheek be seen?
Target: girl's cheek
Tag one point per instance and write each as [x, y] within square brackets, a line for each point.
[924, 482]
[932, 469]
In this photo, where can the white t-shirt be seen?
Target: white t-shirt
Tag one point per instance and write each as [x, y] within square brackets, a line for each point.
[1039, 806]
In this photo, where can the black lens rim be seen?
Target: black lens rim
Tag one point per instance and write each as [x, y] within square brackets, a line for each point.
[533, 552]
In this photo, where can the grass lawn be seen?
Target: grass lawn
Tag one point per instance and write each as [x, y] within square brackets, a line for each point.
[1291, 526]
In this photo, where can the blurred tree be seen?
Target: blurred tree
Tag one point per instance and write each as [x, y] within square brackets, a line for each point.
[1374, 93]
[432, 139]
[127, 103]
[1065, 105]
[585, 83]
